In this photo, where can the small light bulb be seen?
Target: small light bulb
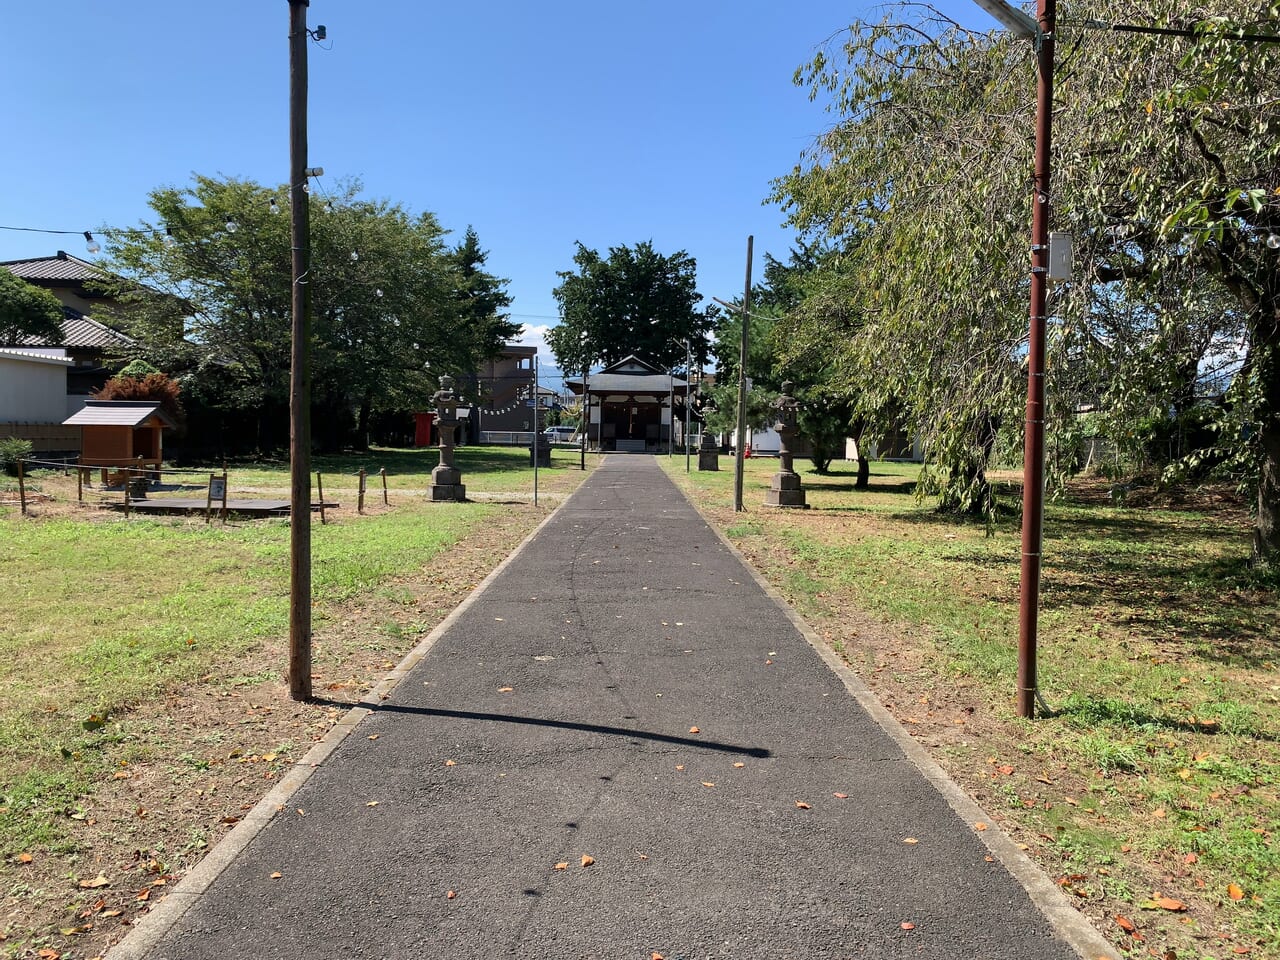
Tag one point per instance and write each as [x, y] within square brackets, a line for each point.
[273, 206]
[378, 292]
[355, 255]
[90, 244]
[232, 226]
[1273, 241]
[306, 188]
[169, 239]
[328, 206]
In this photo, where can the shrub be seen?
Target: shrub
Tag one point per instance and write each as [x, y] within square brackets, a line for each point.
[11, 451]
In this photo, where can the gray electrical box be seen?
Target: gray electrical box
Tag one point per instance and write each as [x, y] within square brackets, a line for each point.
[1060, 255]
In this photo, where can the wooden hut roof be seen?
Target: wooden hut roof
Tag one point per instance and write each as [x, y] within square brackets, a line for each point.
[117, 413]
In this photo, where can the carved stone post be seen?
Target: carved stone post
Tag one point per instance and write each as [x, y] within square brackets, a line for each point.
[786, 489]
[446, 479]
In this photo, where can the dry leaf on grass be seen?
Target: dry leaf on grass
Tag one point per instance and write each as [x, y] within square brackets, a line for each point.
[95, 883]
[1125, 924]
[1235, 892]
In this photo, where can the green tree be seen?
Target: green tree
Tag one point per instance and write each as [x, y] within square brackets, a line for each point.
[387, 298]
[636, 300]
[1165, 171]
[27, 312]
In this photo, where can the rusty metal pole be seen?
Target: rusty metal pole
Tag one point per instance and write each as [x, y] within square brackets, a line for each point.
[300, 366]
[1033, 457]
[742, 388]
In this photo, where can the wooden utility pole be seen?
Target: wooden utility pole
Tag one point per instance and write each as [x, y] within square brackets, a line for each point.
[300, 366]
[742, 388]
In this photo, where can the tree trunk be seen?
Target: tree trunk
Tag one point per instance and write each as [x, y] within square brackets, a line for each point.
[1266, 533]
[362, 423]
[864, 472]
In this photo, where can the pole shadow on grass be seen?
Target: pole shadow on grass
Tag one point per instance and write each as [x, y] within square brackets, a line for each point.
[757, 752]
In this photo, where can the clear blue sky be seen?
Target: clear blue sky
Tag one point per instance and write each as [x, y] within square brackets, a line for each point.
[538, 123]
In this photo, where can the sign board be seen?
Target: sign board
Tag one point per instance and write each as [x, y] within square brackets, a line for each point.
[217, 488]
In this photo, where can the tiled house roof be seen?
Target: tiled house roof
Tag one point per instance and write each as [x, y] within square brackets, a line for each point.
[61, 267]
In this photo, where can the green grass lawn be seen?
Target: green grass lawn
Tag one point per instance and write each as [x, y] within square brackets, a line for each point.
[1157, 771]
[103, 615]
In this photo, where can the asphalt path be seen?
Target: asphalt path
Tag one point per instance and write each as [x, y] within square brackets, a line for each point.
[623, 691]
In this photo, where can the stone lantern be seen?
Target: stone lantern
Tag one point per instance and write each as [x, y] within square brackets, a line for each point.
[786, 489]
[446, 479]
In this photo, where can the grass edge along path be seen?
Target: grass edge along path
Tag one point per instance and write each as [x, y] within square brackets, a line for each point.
[1151, 796]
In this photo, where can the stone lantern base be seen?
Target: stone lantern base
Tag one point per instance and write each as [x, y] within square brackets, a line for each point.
[786, 491]
[446, 485]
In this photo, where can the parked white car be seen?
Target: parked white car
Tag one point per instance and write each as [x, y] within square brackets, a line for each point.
[561, 434]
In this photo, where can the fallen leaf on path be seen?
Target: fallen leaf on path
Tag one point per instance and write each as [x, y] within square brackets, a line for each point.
[656, 956]
[451, 895]
[908, 925]
[587, 861]
[372, 803]
[143, 895]
[979, 826]
[505, 689]
[277, 875]
[642, 856]
[1235, 892]
[562, 865]
[679, 766]
[708, 784]
[47, 954]
[25, 858]
[1170, 904]
[374, 736]
[910, 840]
[739, 765]
[1127, 925]
[694, 730]
[1005, 769]
[95, 883]
[801, 805]
[841, 796]
[451, 763]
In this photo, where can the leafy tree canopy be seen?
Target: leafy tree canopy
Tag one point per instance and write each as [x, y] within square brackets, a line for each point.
[27, 312]
[635, 300]
[393, 306]
[1166, 168]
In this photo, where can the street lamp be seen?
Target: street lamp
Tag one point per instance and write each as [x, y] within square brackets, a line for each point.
[1041, 32]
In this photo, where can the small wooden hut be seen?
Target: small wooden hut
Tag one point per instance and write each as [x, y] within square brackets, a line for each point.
[121, 434]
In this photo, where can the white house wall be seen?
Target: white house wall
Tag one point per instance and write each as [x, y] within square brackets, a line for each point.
[32, 390]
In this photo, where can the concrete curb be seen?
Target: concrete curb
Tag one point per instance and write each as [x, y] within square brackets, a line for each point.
[152, 927]
[1067, 922]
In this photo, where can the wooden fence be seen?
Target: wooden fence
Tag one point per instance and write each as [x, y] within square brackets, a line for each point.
[44, 437]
